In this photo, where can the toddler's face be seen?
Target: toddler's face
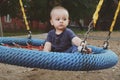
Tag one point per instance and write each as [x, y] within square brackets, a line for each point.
[59, 19]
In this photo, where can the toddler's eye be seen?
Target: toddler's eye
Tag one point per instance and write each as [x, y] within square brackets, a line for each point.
[57, 19]
[65, 19]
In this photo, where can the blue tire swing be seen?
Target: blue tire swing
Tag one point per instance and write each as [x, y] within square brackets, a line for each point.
[100, 58]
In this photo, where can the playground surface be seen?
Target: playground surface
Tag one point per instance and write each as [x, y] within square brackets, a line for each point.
[11, 72]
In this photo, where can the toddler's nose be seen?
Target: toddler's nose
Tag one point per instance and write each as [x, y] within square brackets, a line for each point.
[61, 21]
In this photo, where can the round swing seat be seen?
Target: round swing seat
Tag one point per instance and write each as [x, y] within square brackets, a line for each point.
[99, 58]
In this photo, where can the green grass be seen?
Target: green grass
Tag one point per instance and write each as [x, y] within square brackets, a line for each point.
[18, 33]
[5, 34]
[76, 30]
[13, 34]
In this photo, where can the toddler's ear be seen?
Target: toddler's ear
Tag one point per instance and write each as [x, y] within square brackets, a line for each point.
[51, 22]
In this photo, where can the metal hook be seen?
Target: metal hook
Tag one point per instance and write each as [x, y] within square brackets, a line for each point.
[29, 34]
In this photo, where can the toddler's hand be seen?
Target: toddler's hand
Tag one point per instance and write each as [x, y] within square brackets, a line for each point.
[84, 50]
[82, 46]
[88, 50]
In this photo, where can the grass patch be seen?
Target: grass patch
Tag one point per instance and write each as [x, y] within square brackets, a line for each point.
[13, 34]
[6, 34]
[76, 31]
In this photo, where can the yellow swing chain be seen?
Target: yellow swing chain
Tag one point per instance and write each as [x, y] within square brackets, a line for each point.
[115, 17]
[96, 15]
[106, 43]
[25, 19]
[95, 18]
[91, 24]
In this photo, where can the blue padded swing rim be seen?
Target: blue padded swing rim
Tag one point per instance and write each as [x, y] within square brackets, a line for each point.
[99, 59]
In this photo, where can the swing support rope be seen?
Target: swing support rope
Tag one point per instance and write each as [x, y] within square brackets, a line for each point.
[106, 43]
[25, 19]
[96, 14]
[95, 18]
[91, 24]
[94, 21]
[115, 17]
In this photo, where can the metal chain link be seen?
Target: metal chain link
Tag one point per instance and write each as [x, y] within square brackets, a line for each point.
[29, 34]
[90, 27]
[84, 48]
[106, 42]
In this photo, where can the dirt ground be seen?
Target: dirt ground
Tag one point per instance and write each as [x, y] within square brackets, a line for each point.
[11, 72]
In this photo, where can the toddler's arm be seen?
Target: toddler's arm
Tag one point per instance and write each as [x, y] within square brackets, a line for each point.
[47, 47]
[78, 42]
